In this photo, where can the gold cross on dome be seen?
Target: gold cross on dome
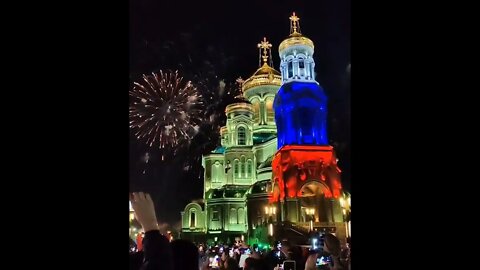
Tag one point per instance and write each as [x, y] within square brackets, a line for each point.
[265, 45]
[239, 83]
[294, 22]
[239, 80]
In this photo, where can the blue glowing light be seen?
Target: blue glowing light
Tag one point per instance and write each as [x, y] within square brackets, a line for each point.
[301, 114]
[219, 150]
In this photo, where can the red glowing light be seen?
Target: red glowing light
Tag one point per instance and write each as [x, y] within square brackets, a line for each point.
[293, 165]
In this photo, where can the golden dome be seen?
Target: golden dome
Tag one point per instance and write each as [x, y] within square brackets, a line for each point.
[265, 75]
[240, 103]
[240, 106]
[266, 69]
[296, 37]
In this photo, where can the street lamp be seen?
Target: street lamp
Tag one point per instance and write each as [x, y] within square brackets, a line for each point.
[270, 211]
[345, 203]
[311, 213]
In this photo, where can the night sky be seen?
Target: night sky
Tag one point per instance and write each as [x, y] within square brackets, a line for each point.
[206, 40]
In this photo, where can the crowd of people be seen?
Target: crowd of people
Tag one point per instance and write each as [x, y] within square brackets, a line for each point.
[155, 251]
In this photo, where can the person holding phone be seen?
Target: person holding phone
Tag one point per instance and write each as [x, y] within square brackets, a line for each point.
[332, 249]
[332, 246]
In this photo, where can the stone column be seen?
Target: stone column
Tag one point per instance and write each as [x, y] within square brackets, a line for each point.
[292, 209]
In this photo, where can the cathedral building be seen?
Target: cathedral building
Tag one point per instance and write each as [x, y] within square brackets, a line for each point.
[274, 171]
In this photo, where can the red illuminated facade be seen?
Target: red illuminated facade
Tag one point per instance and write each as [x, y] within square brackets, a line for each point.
[307, 190]
[295, 165]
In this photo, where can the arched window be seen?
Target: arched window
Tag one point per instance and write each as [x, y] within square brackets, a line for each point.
[241, 216]
[241, 139]
[233, 216]
[290, 69]
[236, 166]
[192, 219]
[270, 111]
[217, 172]
[301, 67]
[249, 168]
[242, 161]
[214, 173]
[215, 215]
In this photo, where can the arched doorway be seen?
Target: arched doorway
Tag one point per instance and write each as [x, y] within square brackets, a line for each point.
[314, 200]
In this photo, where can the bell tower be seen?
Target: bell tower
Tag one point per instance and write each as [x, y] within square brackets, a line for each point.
[305, 176]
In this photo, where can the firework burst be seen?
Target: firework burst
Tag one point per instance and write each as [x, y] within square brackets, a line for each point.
[164, 111]
[208, 137]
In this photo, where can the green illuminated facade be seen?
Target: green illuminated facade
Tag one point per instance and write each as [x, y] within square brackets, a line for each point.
[241, 163]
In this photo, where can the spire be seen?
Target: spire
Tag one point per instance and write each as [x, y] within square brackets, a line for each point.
[267, 51]
[294, 24]
[239, 81]
[239, 85]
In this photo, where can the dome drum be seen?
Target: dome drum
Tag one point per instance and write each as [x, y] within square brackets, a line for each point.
[239, 107]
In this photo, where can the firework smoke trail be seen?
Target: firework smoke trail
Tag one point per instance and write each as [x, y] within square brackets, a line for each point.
[208, 137]
[217, 95]
[214, 113]
[164, 112]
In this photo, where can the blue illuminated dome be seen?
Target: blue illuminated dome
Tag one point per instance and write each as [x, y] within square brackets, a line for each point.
[301, 114]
